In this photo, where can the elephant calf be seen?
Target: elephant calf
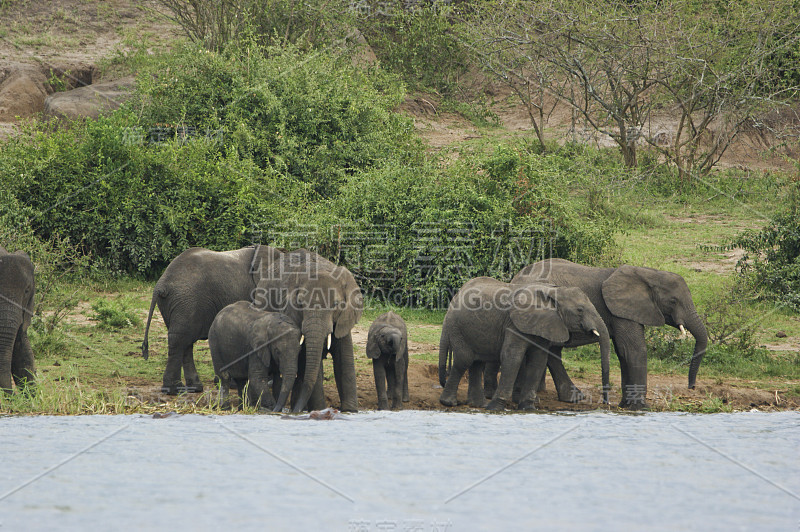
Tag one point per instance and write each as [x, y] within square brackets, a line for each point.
[492, 321]
[16, 310]
[387, 346]
[248, 346]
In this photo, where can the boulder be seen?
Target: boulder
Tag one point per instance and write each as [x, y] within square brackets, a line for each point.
[89, 101]
[22, 93]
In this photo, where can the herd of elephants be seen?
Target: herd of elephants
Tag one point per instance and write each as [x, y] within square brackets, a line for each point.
[271, 316]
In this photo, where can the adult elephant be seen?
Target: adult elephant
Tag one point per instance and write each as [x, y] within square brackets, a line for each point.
[627, 298]
[16, 309]
[492, 321]
[325, 302]
[196, 285]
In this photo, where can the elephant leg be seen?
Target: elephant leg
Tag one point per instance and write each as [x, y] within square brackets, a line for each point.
[567, 391]
[23, 367]
[379, 371]
[541, 386]
[462, 360]
[395, 387]
[632, 353]
[277, 383]
[491, 369]
[317, 399]
[344, 370]
[534, 368]
[6, 382]
[223, 398]
[406, 397]
[511, 355]
[259, 393]
[177, 344]
[475, 397]
[193, 384]
[516, 395]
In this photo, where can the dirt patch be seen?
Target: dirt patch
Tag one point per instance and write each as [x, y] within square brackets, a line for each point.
[664, 393]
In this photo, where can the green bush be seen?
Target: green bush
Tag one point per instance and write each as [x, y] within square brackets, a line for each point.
[309, 23]
[112, 314]
[771, 266]
[244, 139]
[414, 234]
[133, 206]
[310, 116]
[421, 45]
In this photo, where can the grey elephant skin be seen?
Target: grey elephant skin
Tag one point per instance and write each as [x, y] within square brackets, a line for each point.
[492, 321]
[195, 286]
[627, 298]
[17, 289]
[250, 347]
[325, 302]
[387, 346]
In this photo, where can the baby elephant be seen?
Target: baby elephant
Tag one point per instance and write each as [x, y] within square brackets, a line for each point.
[387, 346]
[248, 346]
[16, 308]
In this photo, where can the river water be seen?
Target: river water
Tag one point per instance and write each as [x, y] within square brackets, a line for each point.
[407, 470]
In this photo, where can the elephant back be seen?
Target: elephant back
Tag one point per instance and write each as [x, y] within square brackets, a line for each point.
[561, 272]
[288, 269]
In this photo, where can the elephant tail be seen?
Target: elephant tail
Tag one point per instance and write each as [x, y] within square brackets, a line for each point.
[157, 292]
[445, 357]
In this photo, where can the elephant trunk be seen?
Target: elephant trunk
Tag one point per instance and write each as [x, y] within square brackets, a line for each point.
[697, 329]
[316, 339]
[8, 335]
[605, 349]
[289, 376]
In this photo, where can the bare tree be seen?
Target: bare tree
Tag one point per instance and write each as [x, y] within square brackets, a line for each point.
[720, 76]
[218, 22]
[616, 62]
[505, 38]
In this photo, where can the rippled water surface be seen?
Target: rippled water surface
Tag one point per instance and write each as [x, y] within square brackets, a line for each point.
[402, 471]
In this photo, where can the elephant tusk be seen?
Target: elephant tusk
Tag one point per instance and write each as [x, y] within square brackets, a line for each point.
[329, 342]
[684, 332]
[595, 332]
[302, 339]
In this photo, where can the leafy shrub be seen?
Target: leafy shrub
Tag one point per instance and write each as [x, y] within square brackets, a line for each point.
[133, 206]
[286, 130]
[422, 46]
[218, 23]
[114, 314]
[771, 265]
[729, 319]
[313, 117]
[414, 234]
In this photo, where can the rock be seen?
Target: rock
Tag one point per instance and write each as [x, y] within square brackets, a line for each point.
[22, 93]
[364, 56]
[89, 101]
[780, 334]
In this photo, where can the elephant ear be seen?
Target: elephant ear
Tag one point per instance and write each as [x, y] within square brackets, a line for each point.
[353, 303]
[534, 311]
[373, 350]
[628, 294]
